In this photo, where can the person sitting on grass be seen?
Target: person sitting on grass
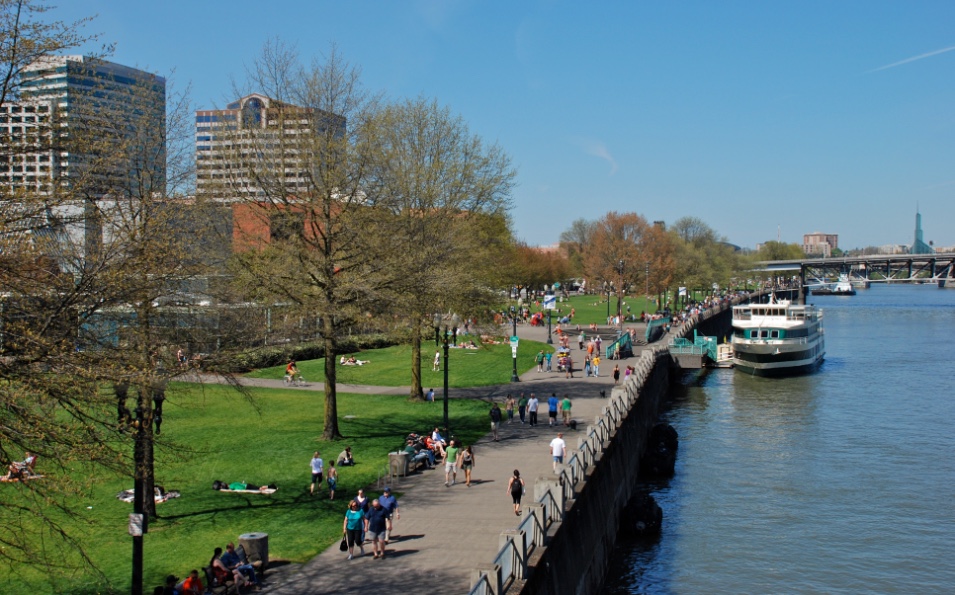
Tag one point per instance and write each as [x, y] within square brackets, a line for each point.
[345, 459]
[21, 469]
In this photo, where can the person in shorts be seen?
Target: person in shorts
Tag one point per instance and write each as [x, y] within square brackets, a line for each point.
[557, 448]
[377, 528]
[390, 504]
[317, 467]
[451, 454]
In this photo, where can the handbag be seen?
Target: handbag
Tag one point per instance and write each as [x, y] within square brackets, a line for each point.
[343, 546]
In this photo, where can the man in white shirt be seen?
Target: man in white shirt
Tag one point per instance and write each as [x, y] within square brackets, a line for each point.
[317, 467]
[557, 448]
[532, 406]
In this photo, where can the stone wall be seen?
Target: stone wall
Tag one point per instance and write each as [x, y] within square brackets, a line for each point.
[578, 551]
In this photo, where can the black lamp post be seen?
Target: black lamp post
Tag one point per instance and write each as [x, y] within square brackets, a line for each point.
[141, 420]
[607, 284]
[453, 329]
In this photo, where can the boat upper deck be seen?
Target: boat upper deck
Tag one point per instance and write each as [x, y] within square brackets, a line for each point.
[778, 313]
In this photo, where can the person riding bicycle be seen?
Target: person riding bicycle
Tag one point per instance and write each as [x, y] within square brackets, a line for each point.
[291, 372]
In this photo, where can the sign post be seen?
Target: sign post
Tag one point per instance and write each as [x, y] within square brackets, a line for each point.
[514, 342]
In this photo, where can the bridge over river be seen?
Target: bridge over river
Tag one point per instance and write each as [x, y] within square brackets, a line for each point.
[936, 269]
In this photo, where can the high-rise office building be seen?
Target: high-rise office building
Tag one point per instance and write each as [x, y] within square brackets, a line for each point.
[258, 146]
[81, 122]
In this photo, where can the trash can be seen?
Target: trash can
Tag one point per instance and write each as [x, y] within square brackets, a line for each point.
[256, 547]
[398, 464]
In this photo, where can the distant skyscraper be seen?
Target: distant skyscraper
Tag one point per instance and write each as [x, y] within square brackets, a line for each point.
[82, 121]
[920, 247]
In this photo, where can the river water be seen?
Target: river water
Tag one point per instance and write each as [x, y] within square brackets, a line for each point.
[842, 481]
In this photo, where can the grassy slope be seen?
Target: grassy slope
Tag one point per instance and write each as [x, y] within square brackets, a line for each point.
[232, 441]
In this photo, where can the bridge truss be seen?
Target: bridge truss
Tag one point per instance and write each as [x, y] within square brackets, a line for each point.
[902, 268]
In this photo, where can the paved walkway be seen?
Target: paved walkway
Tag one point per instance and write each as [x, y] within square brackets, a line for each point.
[445, 532]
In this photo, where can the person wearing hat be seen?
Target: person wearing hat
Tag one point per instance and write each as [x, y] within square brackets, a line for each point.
[390, 504]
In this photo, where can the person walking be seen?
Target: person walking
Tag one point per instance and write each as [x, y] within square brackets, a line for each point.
[436, 365]
[616, 373]
[467, 463]
[317, 467]
[570, 367]
[557, 448]
[548, 357]
[363, 503]
[565, 409]
[539, 358]
[586, 366]
[509, 408]
[496, 416]
[377, 522]
[596, 365]
[580, 341]
[352, 526]
[332, 480]
[553, 404]
[390, 504]
[451, 454]
[522, 407]
[532, 406]
[515, 487]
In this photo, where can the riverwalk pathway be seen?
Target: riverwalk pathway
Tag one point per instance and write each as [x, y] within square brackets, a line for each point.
[446, 532]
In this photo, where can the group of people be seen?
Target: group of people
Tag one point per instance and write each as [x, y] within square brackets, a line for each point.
[224, 567]
[317, 465]
[373, 519]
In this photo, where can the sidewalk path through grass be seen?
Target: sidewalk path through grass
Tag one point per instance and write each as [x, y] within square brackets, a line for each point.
[445, 532]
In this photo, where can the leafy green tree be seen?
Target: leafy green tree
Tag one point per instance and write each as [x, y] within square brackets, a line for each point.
[436, 185]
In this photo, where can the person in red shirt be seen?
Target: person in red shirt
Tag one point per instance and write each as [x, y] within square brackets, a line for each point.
[192, 585]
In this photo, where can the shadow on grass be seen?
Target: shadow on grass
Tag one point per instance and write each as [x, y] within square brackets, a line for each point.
[249, 503]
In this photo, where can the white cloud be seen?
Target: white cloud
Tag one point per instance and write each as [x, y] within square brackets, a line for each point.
[599, 149]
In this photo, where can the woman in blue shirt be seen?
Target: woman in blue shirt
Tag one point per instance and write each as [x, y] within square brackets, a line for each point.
[352, 526]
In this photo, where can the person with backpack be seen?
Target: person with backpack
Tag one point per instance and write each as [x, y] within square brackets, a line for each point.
[515, 487]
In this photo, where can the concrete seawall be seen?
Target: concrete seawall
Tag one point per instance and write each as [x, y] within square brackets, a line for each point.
[578, 548]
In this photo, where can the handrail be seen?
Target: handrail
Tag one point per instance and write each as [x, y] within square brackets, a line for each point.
[482, 586]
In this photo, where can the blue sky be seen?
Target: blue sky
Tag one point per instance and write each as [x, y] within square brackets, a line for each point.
[761, 118]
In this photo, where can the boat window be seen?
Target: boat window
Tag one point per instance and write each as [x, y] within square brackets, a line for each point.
[774, 334]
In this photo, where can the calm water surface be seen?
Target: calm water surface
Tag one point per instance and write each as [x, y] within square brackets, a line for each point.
[842, 481]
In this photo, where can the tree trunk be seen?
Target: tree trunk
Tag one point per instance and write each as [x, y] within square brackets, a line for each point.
[417, 394]
[331, 392]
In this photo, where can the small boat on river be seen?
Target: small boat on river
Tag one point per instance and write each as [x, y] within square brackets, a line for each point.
[840, 287]
[777, 339]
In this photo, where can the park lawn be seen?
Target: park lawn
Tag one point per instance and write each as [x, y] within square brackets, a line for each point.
[391, 366]
[224, 436]
[592, 308]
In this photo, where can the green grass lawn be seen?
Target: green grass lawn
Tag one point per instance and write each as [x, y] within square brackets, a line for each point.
[227, 438]
[391, 366]
[593, 308]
